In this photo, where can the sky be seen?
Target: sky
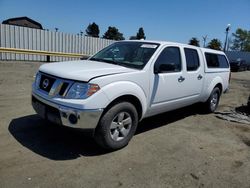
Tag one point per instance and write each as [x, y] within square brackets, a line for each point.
[171, 20]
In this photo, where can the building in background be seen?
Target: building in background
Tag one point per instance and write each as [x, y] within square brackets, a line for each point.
[24, 22]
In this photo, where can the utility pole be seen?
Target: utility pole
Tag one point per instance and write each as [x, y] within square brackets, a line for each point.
[204, 40]
[229, 41]
[227, 31]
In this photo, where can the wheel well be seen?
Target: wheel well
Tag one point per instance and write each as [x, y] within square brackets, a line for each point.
[128, 98]
[219, 85]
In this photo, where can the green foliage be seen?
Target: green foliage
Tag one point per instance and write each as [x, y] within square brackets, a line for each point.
[241, 40]
[194, 41]
[93, 30]
[215, 44]
[140, 34]
[113, 34]
[132, 38]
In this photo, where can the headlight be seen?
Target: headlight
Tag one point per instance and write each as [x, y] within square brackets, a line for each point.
[37, 80]
[82, 90]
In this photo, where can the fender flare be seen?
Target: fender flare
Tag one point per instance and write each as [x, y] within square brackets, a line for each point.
[213, 83]
[122, 88]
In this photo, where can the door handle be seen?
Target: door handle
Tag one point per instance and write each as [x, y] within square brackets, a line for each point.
[199, 77]
[181, 79]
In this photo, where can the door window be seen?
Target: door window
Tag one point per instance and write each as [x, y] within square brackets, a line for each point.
[192, 59]
[168, 61]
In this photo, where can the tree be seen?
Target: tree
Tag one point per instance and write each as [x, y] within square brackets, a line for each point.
[93, 30]
[194, 41]
[113, 34]
[132, 38]
[241, 40]
[215, 44]
[140, 34]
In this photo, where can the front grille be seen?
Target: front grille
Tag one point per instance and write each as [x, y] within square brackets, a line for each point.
[46, 83]
[63, 88]
[54, 86]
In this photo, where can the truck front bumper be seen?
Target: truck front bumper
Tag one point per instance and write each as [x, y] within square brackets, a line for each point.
[64, 115]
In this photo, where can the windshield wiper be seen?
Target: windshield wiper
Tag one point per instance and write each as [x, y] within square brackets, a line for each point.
[95, 59]
[114, 62]
[105, 60]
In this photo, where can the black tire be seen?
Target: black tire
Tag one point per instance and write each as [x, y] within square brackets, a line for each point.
[112, 138]
[212, 103]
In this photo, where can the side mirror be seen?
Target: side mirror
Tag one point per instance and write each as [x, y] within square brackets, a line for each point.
[165, 68]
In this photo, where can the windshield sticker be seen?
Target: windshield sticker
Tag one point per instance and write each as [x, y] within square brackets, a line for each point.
[148, 46]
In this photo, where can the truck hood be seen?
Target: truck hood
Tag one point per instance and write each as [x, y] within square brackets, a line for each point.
[83, 70]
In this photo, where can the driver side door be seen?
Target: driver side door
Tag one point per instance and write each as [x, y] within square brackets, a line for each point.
[168, 81]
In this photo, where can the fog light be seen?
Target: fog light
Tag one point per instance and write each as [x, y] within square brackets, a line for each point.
[72, 119]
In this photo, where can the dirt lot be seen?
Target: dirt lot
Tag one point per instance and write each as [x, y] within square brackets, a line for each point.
[178, 149]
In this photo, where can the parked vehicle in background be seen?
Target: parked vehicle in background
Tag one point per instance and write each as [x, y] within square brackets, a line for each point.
[238, 65]
[248, 65]
[126, 82]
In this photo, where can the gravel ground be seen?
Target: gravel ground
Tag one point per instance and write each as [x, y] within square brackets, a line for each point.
[184, 148]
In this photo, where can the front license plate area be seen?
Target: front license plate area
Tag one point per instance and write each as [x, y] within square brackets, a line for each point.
[47, 112]
[54, 117]
[40, 109]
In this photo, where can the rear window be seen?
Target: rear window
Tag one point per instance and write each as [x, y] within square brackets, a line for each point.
[216, 61]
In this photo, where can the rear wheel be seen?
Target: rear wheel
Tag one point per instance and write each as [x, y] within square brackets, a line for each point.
[213, 100]
[117, 126]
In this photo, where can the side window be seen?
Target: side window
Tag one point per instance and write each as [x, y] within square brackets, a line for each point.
[169, 60]
[216, 61]
[192, 59]
[223, 61]
[212, 60]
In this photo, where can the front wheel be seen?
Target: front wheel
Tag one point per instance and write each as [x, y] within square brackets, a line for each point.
[213, 100]
[117, 126]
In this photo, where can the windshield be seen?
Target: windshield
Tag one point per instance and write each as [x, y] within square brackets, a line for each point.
[129, 54]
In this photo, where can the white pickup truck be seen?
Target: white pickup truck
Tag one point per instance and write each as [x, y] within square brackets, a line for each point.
[125, 82]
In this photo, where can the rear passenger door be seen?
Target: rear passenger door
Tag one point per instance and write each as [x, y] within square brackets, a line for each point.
[194, 73]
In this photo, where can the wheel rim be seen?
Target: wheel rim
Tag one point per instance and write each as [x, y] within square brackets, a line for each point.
[120, 126]
[214, 101]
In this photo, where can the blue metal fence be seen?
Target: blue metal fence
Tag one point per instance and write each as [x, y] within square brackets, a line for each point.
[234, 55]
